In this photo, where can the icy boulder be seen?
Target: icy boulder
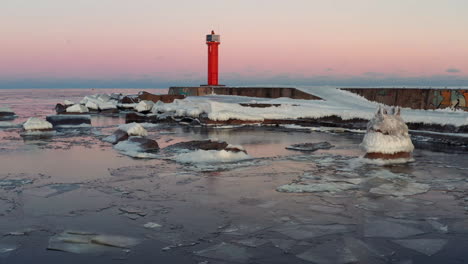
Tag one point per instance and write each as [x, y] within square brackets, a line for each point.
[100, 102]
[138, 147]
[6, 113]
[77, 108]
[144, 106]
[69, 120]
[208, 151]
[68, 103]
[92, 105]
[37, 124]
[134, 129]
[387, 137]
[125, 131]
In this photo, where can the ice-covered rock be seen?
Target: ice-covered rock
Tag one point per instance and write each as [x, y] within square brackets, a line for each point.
[60, 108]
[92, 105]
[6, 113]
[68, 103]
[125, 131]
[387, 137]
[138, 147]
[77, 108]
[134, 129]
[144, 106]
[69, 120]
[116, 137]
[37, 124]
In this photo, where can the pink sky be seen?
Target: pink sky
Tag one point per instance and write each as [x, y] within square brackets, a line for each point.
[116, 39]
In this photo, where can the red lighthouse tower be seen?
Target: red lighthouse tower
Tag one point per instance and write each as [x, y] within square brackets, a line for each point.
[213, 41]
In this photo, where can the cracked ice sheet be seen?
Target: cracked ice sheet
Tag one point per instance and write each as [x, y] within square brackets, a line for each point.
[299, 231]
[346, 250]
[425, 246]
[390, 229]
[89, 243]
[227, 252]
[317, 187]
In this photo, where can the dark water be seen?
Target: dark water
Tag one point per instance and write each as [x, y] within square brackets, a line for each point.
[354, 212]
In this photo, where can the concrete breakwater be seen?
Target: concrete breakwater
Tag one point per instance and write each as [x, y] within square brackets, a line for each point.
[415, 98]
[261, 92]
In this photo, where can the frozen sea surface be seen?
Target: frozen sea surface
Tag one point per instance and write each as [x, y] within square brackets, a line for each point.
[72, 198]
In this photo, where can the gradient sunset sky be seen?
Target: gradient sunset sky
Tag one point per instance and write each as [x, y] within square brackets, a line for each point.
[150, 43]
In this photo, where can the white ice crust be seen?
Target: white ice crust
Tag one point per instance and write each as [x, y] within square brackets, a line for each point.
[34, 123]
[211, 156]
[68, 103]
[134, 129]
[144, 106]
[77, 108]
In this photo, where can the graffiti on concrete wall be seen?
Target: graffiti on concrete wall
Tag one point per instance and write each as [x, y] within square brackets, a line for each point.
[458, 99]
[449, 98]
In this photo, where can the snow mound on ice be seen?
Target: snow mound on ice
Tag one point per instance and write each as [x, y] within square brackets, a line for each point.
[134, 129]
[211, 156]
[34, 123]
[387, 133]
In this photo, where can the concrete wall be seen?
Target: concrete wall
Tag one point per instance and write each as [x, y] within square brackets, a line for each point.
[263, 92]
[415, 98]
